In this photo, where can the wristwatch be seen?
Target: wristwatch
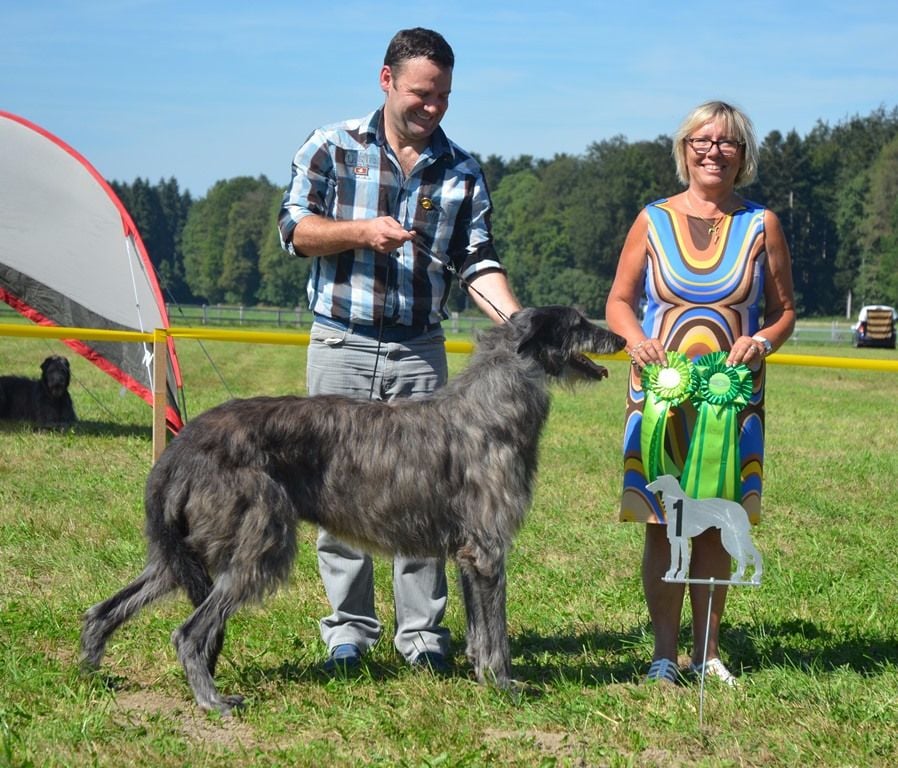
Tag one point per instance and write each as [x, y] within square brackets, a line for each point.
[768, 347]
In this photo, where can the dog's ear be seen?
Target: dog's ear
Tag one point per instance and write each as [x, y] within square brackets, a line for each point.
[531, 324]
[539, 327]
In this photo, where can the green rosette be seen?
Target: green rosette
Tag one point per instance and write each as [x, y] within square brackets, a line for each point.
[665, 387]
[719, 392]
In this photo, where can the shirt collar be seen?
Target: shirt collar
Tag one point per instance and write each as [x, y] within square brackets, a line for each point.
[439, 143]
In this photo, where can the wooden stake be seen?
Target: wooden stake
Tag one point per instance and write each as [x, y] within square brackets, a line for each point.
[160, 369]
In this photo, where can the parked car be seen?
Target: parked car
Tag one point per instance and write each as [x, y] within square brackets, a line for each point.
[875, 326]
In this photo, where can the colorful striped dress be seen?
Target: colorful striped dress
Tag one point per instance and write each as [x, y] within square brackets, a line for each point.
[703, 292]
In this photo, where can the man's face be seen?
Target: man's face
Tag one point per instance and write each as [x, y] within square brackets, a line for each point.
[417, 97]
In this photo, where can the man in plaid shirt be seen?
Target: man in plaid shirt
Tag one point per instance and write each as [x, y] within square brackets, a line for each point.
[389, 208]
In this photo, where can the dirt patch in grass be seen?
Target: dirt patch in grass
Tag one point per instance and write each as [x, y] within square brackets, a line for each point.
[228, 732]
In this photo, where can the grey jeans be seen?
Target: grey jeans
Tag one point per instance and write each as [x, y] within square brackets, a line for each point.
[342, 362]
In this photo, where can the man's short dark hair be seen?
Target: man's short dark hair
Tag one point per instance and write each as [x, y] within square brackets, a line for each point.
[419, 43]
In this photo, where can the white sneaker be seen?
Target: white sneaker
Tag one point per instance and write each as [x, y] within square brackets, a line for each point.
[716, 669]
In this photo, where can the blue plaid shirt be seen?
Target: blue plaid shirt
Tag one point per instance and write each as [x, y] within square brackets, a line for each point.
[347, 171]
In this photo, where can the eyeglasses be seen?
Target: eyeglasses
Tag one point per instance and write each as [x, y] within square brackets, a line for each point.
[727, 147]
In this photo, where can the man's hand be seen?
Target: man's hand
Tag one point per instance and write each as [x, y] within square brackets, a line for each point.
[386, 235]
[320, 236]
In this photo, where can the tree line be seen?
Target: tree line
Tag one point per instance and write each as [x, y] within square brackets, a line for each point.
[560, 223]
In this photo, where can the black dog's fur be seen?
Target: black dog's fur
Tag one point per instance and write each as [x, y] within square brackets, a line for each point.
[447, 475]
[45, 401]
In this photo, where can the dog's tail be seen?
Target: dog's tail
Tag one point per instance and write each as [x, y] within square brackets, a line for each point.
[103, 619]
[167, 530]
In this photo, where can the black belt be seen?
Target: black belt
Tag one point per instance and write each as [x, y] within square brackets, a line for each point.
[389, 333]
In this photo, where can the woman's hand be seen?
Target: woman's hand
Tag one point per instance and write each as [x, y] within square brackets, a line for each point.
[646, 352]
[746, 350]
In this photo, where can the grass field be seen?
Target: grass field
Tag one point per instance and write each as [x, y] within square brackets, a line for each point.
[816, 645]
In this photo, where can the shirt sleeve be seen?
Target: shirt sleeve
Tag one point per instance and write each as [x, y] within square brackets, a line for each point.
[311, 189]
[479, 254]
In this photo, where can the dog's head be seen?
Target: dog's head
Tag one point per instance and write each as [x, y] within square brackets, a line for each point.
[55, 375]
[558, 338]
[666, 484]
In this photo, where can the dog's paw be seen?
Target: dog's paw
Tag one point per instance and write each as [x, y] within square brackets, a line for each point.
[224, 705]
[88, 667]
[91, 657]
[515, 690]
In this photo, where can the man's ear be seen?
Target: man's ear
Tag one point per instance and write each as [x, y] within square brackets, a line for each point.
[386, 77]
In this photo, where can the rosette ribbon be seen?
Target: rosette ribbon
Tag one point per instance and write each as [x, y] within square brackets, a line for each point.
[719, 392]
[665, 386]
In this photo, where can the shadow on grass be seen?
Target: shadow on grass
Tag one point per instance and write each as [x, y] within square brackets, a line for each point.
[533, 670]
[806, 645]
[109, 429]
[90, 428]
[596, 658]
[793, 644]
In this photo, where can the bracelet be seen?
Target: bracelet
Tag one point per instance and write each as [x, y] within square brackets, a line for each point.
[765, 345]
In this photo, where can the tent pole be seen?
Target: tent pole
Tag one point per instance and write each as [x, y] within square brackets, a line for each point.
[160, 368]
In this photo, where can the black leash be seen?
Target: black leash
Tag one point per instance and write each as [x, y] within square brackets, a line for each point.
[462, 283]
[449, 267]
[380, 328]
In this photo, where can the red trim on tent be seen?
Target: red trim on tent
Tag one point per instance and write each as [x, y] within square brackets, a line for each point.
[129, 229]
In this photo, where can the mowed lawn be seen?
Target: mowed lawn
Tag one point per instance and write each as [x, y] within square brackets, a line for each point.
[816, 645]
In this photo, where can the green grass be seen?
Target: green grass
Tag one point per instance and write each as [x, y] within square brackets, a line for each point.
[816, 644]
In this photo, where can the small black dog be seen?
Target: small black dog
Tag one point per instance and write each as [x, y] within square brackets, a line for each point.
[44, 401]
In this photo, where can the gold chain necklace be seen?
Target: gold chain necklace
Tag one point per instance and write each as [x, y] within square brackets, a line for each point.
[714, 225]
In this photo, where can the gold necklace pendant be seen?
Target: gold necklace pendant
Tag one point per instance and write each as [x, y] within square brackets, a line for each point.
[713, 225]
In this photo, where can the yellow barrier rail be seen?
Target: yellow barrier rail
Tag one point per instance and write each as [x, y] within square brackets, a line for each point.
[158, 338]
[61, 332]
[302, 339]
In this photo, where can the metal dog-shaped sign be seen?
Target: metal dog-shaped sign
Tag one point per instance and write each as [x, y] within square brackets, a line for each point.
[687, 518]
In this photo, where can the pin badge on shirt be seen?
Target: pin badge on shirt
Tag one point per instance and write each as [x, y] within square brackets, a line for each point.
[427, 204]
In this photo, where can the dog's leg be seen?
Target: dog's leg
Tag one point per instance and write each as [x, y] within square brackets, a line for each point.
[475, 620]
[483, 585]
[262, 557]
[198, 588]
[103, 619]
[198, 643]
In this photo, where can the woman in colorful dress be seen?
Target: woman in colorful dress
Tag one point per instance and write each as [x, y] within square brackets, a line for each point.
[716, 273]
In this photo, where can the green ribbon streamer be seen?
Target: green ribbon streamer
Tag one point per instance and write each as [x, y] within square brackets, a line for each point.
[665, 386]
[719, 392]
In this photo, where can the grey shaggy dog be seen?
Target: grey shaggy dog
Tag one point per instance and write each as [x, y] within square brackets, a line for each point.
[44, 401]
[447, 475]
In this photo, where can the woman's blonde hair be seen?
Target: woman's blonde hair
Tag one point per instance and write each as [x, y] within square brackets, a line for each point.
[737, 126]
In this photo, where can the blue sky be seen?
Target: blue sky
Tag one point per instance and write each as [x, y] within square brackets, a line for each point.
[206, 91]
